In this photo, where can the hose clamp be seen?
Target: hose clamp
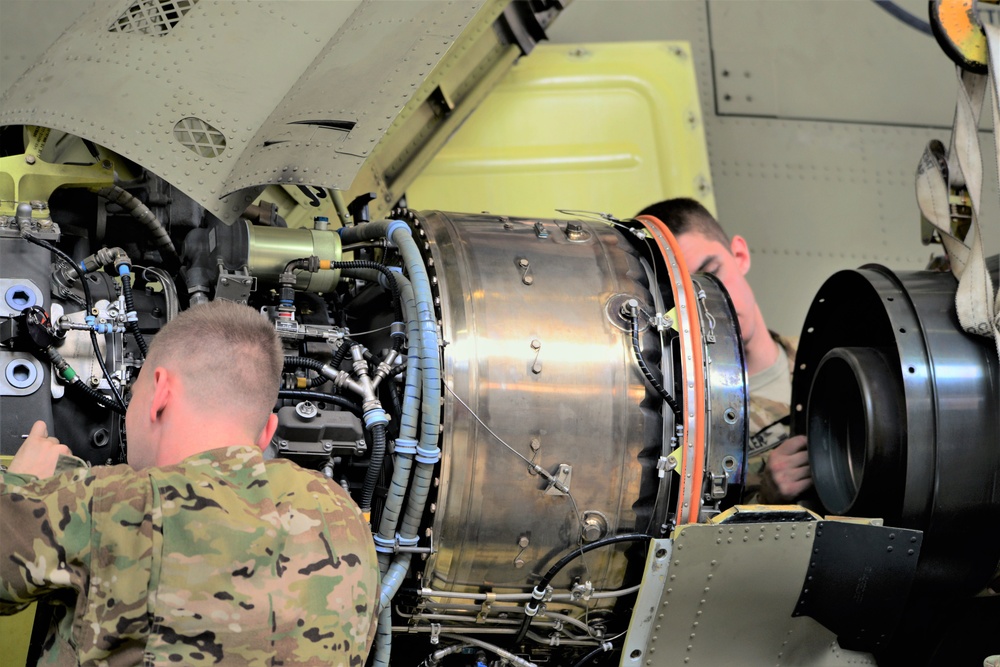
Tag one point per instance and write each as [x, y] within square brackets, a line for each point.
[406, 446]
[429, 455]
[398, 330]
[407, 541]
[384, 545]
[374, 417]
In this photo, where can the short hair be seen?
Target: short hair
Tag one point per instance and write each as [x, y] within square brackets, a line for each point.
[228, 355]
[683, 215]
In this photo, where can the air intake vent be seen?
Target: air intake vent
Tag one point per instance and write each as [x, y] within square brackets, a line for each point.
[152, 17]
[200, 137]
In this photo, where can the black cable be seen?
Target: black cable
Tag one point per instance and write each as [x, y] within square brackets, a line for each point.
[653, 382]
[397, 307]
[304, 362]
[374, 467]
[298, 394]
[397, 405]
[317, 381]
[341, 353]
[906, 17]
[547, 578]
[593, 654]
[311, 364]
[132, 325]
[88, 302]
[98, 396]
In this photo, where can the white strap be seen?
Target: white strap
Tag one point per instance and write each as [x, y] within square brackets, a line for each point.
[976, 301]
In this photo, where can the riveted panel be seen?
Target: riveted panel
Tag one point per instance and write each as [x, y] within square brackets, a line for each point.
[740, 582]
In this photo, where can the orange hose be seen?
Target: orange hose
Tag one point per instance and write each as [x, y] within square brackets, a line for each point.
[662, 233]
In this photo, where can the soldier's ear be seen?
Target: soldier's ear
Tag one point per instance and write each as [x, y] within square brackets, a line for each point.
[264, 439]
[163, 391]
[741, 252]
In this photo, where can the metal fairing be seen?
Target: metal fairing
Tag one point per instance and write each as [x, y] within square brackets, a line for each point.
[533, 349]
[233, 96]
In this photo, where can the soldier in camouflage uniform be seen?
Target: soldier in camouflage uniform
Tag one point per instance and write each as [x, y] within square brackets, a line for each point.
[205, 553]
[778, 465]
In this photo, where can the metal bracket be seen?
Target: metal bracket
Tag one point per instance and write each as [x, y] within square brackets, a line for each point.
[559, 484]
[234, 286]
[484, 609]
[719, 484]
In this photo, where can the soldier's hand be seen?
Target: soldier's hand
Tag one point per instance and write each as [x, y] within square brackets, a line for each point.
[786, 475]
[38, 453]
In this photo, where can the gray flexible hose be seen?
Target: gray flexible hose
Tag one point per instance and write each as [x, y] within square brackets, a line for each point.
[141, 212]
[430, 409]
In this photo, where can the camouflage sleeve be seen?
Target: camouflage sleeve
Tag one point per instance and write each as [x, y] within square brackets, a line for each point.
[46, 528]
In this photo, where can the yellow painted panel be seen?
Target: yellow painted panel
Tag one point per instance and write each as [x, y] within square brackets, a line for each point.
[602, 127]
[15, 631]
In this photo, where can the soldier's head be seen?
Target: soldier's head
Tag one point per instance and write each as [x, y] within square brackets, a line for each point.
[216, 364]
[706, 248]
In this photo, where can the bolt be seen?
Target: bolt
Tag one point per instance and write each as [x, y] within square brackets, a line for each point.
[519, 563]
[523, 541]
[283, 444]
[535, 444]
[523, 263]
[536, 344]
[95, 381]
[30, 159]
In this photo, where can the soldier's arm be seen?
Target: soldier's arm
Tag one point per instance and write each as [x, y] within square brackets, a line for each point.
[39, 453]
[45, 526]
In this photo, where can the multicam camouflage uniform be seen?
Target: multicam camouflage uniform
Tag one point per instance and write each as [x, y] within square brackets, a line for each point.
[221, 559]
[768, 429]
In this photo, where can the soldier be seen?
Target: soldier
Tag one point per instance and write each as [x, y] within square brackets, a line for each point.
[199, 551]
[778, 466]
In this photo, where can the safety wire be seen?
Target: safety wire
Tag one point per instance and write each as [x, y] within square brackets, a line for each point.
[541, 471]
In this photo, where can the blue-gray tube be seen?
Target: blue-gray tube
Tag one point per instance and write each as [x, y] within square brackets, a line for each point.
[391, 582]
[406, 442]
[430, 428]
[383, 639]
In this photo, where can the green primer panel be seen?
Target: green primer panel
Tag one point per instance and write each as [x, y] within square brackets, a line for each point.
[600, 127]
[15, 631]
